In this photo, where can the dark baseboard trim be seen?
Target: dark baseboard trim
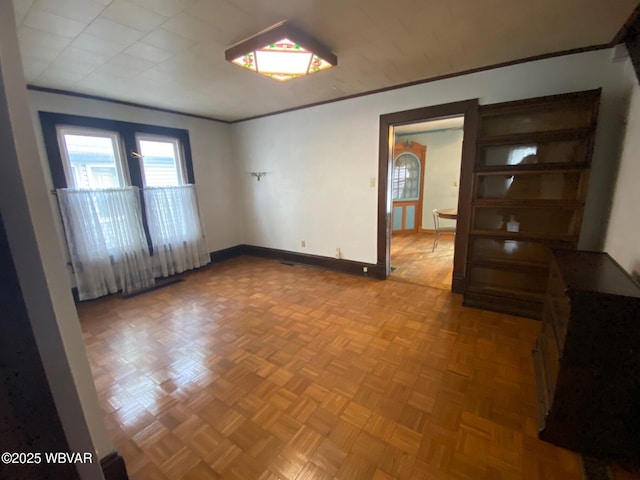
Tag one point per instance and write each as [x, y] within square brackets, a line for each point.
[113, 467]
[457, 284]
[227, 253]
[159, 283]
[328, 263]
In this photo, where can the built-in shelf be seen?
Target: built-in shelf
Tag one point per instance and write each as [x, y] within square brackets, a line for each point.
[511, 264]
[525, 236]
[537, 137]
[529, 189]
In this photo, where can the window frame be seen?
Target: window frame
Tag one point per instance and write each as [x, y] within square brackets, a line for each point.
[127, 131]
[401, 182]
[62, 130]
[178, 151]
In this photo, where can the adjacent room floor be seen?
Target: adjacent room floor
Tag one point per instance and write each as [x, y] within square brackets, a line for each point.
[413, 260]
[252, 369]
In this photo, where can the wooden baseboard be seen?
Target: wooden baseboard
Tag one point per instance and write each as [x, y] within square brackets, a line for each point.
[457, 284]
[113, 467]
[226, 253]
[328, 263]
[432, 231]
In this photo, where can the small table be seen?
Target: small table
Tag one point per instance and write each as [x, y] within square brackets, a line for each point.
[450, 213]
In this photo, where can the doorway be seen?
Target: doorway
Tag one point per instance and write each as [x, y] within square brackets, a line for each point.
[467, 109]
[422, 254]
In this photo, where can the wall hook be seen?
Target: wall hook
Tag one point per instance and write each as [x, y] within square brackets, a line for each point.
[258, 175]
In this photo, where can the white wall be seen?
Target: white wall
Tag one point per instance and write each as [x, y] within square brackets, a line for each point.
[321, 159]
[623, 234]
[213, 165]
[318, 187]
[37, 255]
[441, 171]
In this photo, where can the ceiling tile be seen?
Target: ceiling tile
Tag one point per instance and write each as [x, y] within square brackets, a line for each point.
[172, 51]
[97, 82]
[148, 52]
[98, 45]
[114, 31]
[35, 38]
[20, 9]
[235, 23]
[52, 76]
[167, 40]
[175, 72]
[33, 67]
[123, 65]
[46, 54]
[48, 22]
[192, 28]
[79, 60]
[167, 8]
[80, 10]
[132, 15]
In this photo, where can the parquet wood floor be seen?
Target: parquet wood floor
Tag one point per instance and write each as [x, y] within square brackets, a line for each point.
[251, 369]
[414, 262]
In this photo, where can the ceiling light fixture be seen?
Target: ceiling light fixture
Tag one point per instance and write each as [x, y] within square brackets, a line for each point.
[282, 52]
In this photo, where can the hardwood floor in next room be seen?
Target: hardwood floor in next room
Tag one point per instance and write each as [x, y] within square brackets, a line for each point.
[413, 261]
[252, 369]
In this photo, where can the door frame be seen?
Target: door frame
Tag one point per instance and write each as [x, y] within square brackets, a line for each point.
[468, 108]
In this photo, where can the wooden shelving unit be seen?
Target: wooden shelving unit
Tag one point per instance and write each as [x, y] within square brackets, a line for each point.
[529, 188]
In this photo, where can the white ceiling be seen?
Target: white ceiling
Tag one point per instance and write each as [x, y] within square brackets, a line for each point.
[450, 123]
[170, 53]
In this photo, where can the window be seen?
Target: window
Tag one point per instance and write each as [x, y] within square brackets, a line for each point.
[127, 203]
[406, 178]
[91, 158]
[161, 161]
[87, 152]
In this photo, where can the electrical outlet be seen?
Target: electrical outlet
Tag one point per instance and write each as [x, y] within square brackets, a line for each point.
[338, 253]
[303, 243]
[372, 182]
[365, 269]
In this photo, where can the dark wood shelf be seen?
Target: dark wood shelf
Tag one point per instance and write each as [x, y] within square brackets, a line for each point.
[518, 265]
[529, 203]
[533, 169]
[509, 293]
[546, 196]
[535, 137]
[545, 237]
[519, 306]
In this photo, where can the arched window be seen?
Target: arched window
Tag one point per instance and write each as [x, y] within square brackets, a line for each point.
[406, 178]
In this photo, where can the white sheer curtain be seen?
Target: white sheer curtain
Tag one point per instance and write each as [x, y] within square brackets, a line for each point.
[175, 229]
[106, 240]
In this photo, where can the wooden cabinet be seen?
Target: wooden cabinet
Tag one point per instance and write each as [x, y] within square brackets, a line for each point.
[529, 188]
[587, 358]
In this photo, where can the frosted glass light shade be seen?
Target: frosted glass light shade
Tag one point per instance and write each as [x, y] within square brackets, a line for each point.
[282, 53]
